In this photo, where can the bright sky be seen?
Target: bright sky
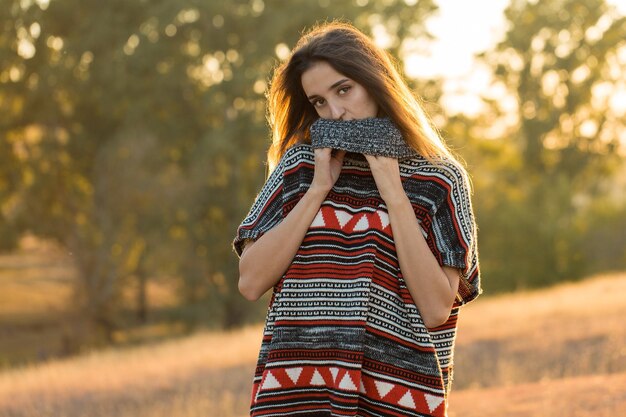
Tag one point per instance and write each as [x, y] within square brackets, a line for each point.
[463, 28]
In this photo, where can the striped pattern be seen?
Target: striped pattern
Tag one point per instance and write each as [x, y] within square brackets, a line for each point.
[342, 335]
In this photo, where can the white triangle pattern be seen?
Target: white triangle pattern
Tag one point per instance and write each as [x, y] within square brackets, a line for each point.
[363, 224]
[383, 388]
[433, 401]
[318, 221]
[334, 372]
[407, 400]
[317, 379]
[384, 218]
[362, 388]
[294, 374]
[346, 383]
[270, 381]
[343, 217]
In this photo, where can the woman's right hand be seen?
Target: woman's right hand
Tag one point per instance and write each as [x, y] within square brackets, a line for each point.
[327, 168]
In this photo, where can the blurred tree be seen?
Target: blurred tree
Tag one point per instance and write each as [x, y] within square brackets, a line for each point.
[560, 60]
[133, 133]
[9, 172]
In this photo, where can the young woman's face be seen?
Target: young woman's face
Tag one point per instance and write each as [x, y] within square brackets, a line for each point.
[336, 96]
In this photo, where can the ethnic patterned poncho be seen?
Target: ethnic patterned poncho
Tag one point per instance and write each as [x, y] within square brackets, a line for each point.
[343, 336]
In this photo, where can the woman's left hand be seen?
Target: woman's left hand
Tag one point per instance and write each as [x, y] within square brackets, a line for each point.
[386, 172]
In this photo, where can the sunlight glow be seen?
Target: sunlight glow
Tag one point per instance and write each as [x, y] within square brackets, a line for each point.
[43, 4]
[35, 30]
[188, 16]
[282, 51]
[170, 30]
[259, 86]
[25, 49]
[131, 44]
[463, 29]
[257, 7]
[218, 21]
[618, 101]
[54, 42]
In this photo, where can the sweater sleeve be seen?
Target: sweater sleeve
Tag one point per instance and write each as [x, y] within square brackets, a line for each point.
[454, 233]
[266, 211]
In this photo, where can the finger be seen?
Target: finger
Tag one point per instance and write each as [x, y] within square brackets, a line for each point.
[323, 153]
[370, 158]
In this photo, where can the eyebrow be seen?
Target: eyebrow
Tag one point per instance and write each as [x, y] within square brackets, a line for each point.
[338, 83]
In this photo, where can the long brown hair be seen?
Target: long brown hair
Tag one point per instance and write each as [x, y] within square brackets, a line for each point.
[353, 54]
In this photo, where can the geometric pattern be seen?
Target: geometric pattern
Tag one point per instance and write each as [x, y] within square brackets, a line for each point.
[401, 395]
[342, 333]
[344, 380]
[329, 217]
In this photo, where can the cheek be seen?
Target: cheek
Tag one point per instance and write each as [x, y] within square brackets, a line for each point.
[369, 104]
[373, 106]
[321, 113]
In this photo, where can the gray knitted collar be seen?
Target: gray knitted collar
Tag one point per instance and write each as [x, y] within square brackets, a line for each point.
[373, 136]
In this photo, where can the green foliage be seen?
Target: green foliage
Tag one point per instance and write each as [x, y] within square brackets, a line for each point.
[133, 134]
[565, 141]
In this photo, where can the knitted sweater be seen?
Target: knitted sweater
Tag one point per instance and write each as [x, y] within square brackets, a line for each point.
[343, 336]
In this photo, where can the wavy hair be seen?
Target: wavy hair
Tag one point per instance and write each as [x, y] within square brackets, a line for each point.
[354, 55]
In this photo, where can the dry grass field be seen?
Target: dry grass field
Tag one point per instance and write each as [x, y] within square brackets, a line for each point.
[34, 290]
[547, 353]
[553, 352]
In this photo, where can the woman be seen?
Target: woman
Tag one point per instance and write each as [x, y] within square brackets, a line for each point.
[364, 230]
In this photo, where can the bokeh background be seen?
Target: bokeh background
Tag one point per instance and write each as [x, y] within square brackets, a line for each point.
[132, 144]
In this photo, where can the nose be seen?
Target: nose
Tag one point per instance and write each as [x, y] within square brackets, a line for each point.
[336, 111]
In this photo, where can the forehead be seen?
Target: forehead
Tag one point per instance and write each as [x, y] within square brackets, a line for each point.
[319, 78]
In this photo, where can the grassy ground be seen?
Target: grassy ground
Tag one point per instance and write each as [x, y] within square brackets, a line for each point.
[584, 396]
[35, 285]
[206, 374]
[569, 330]
[554, 352]
[35, 292]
